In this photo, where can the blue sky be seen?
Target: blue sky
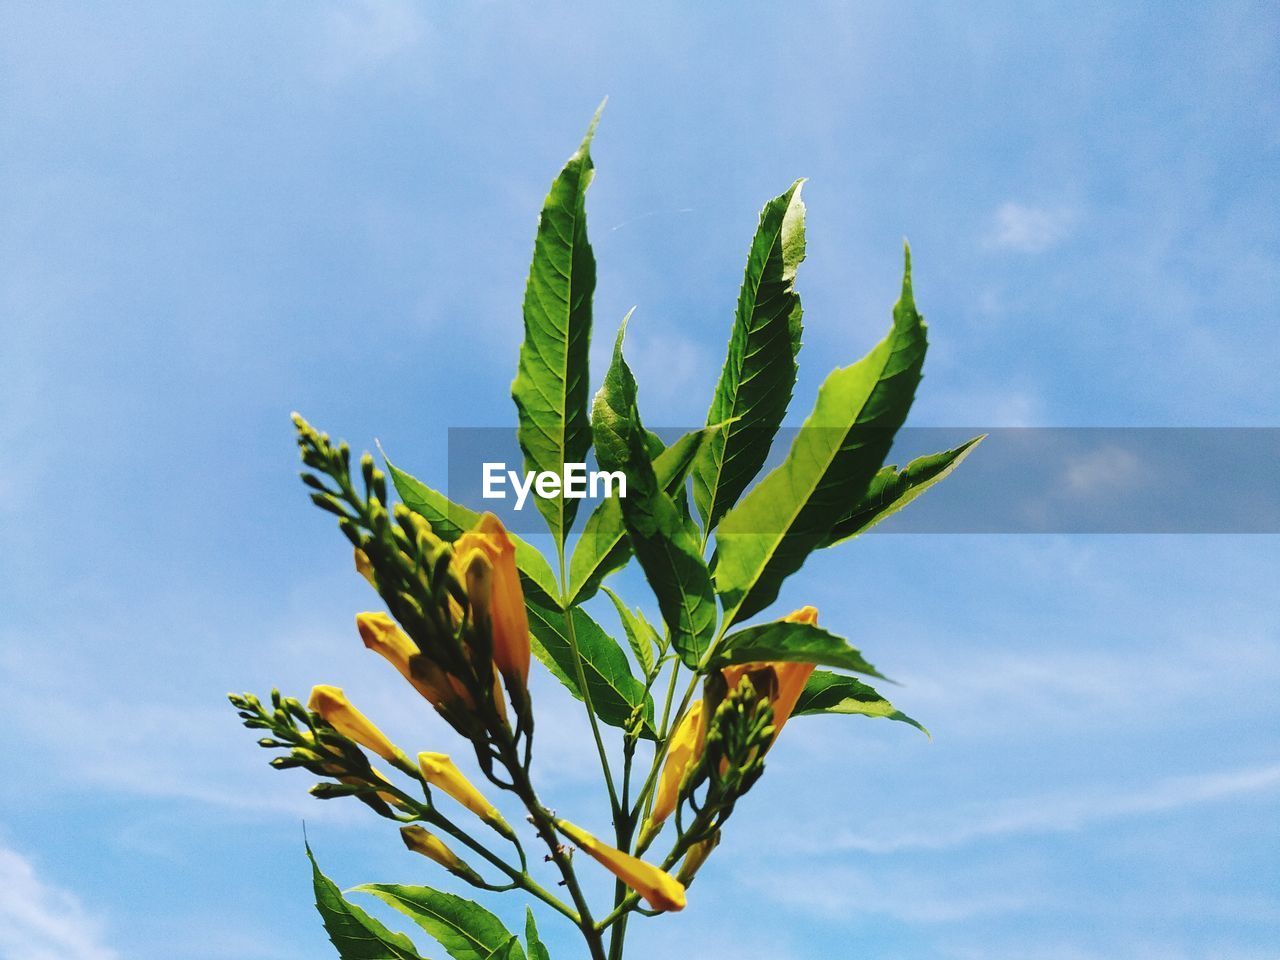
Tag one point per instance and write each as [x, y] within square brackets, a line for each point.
[210, 217]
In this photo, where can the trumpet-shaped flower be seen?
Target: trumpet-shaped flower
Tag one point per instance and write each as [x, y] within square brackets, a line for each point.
[683, 753]
[442, 773]
[337, 711]
[421, 841]
[658, 888]
[497, 593]
[384, 637]
[782, 682]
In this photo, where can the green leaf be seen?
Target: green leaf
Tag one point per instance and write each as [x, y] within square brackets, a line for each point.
[828, 692]
[760, 370]
[892, 489]
[792, 643]
[835, 455]
[537, 951]
[511, 950]
[356, 934]
[615, 692]
[640, 635]
[665, 542]
[465, 929]
[450, 520]
[603, 546]
[550, 388]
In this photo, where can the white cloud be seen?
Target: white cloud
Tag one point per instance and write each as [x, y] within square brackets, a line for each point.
[1107, 468]
[1045, 686]
[906, 895]
[1064, 812]
[1028, 229]
[39, 921]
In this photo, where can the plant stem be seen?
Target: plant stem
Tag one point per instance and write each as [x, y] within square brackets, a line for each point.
[521, 878]
[666, 707]
[618, 916]
[581, 677]
[618, 936]
[624, 829]
[544, 823]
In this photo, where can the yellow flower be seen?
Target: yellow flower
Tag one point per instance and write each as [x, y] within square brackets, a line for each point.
[687, 744]
[780, 681]
[381, 635]
[441, 772]
[336, 710]
[696, 857]
[658, 888]
[497, 593]
[478, 573]
[418, 840]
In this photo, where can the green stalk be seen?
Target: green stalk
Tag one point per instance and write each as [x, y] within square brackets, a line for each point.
[544, 823]
[520, 878]
[581, 677]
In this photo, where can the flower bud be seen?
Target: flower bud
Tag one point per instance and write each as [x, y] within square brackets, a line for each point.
[658, 888]
[324, 790]
[336, 710]
[384, 637]
[364, 567]
[440, 772]
[419, 840]
[504, 599]
[683, 754]
[696, 857]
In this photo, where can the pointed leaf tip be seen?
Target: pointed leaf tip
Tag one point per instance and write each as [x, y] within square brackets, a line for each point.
[622, 329]
[585, 147]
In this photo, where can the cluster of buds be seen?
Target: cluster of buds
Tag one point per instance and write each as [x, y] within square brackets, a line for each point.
[331, 738]
[457, 629]
[721, 742]
[321, 747]
[456, 632]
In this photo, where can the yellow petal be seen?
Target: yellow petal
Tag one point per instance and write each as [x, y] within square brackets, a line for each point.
[364, 567]
[791, 676]
[696, 857]
[807, 615]
[507, 616]
[791, 680]
[781, 681]
[441, 772]
[332, 704]
[384, 637]
[658, 888]
[479, 575]
[418, 840]
[686, 748]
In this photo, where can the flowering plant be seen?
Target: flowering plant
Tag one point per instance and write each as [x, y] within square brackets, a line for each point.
[468, 605]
